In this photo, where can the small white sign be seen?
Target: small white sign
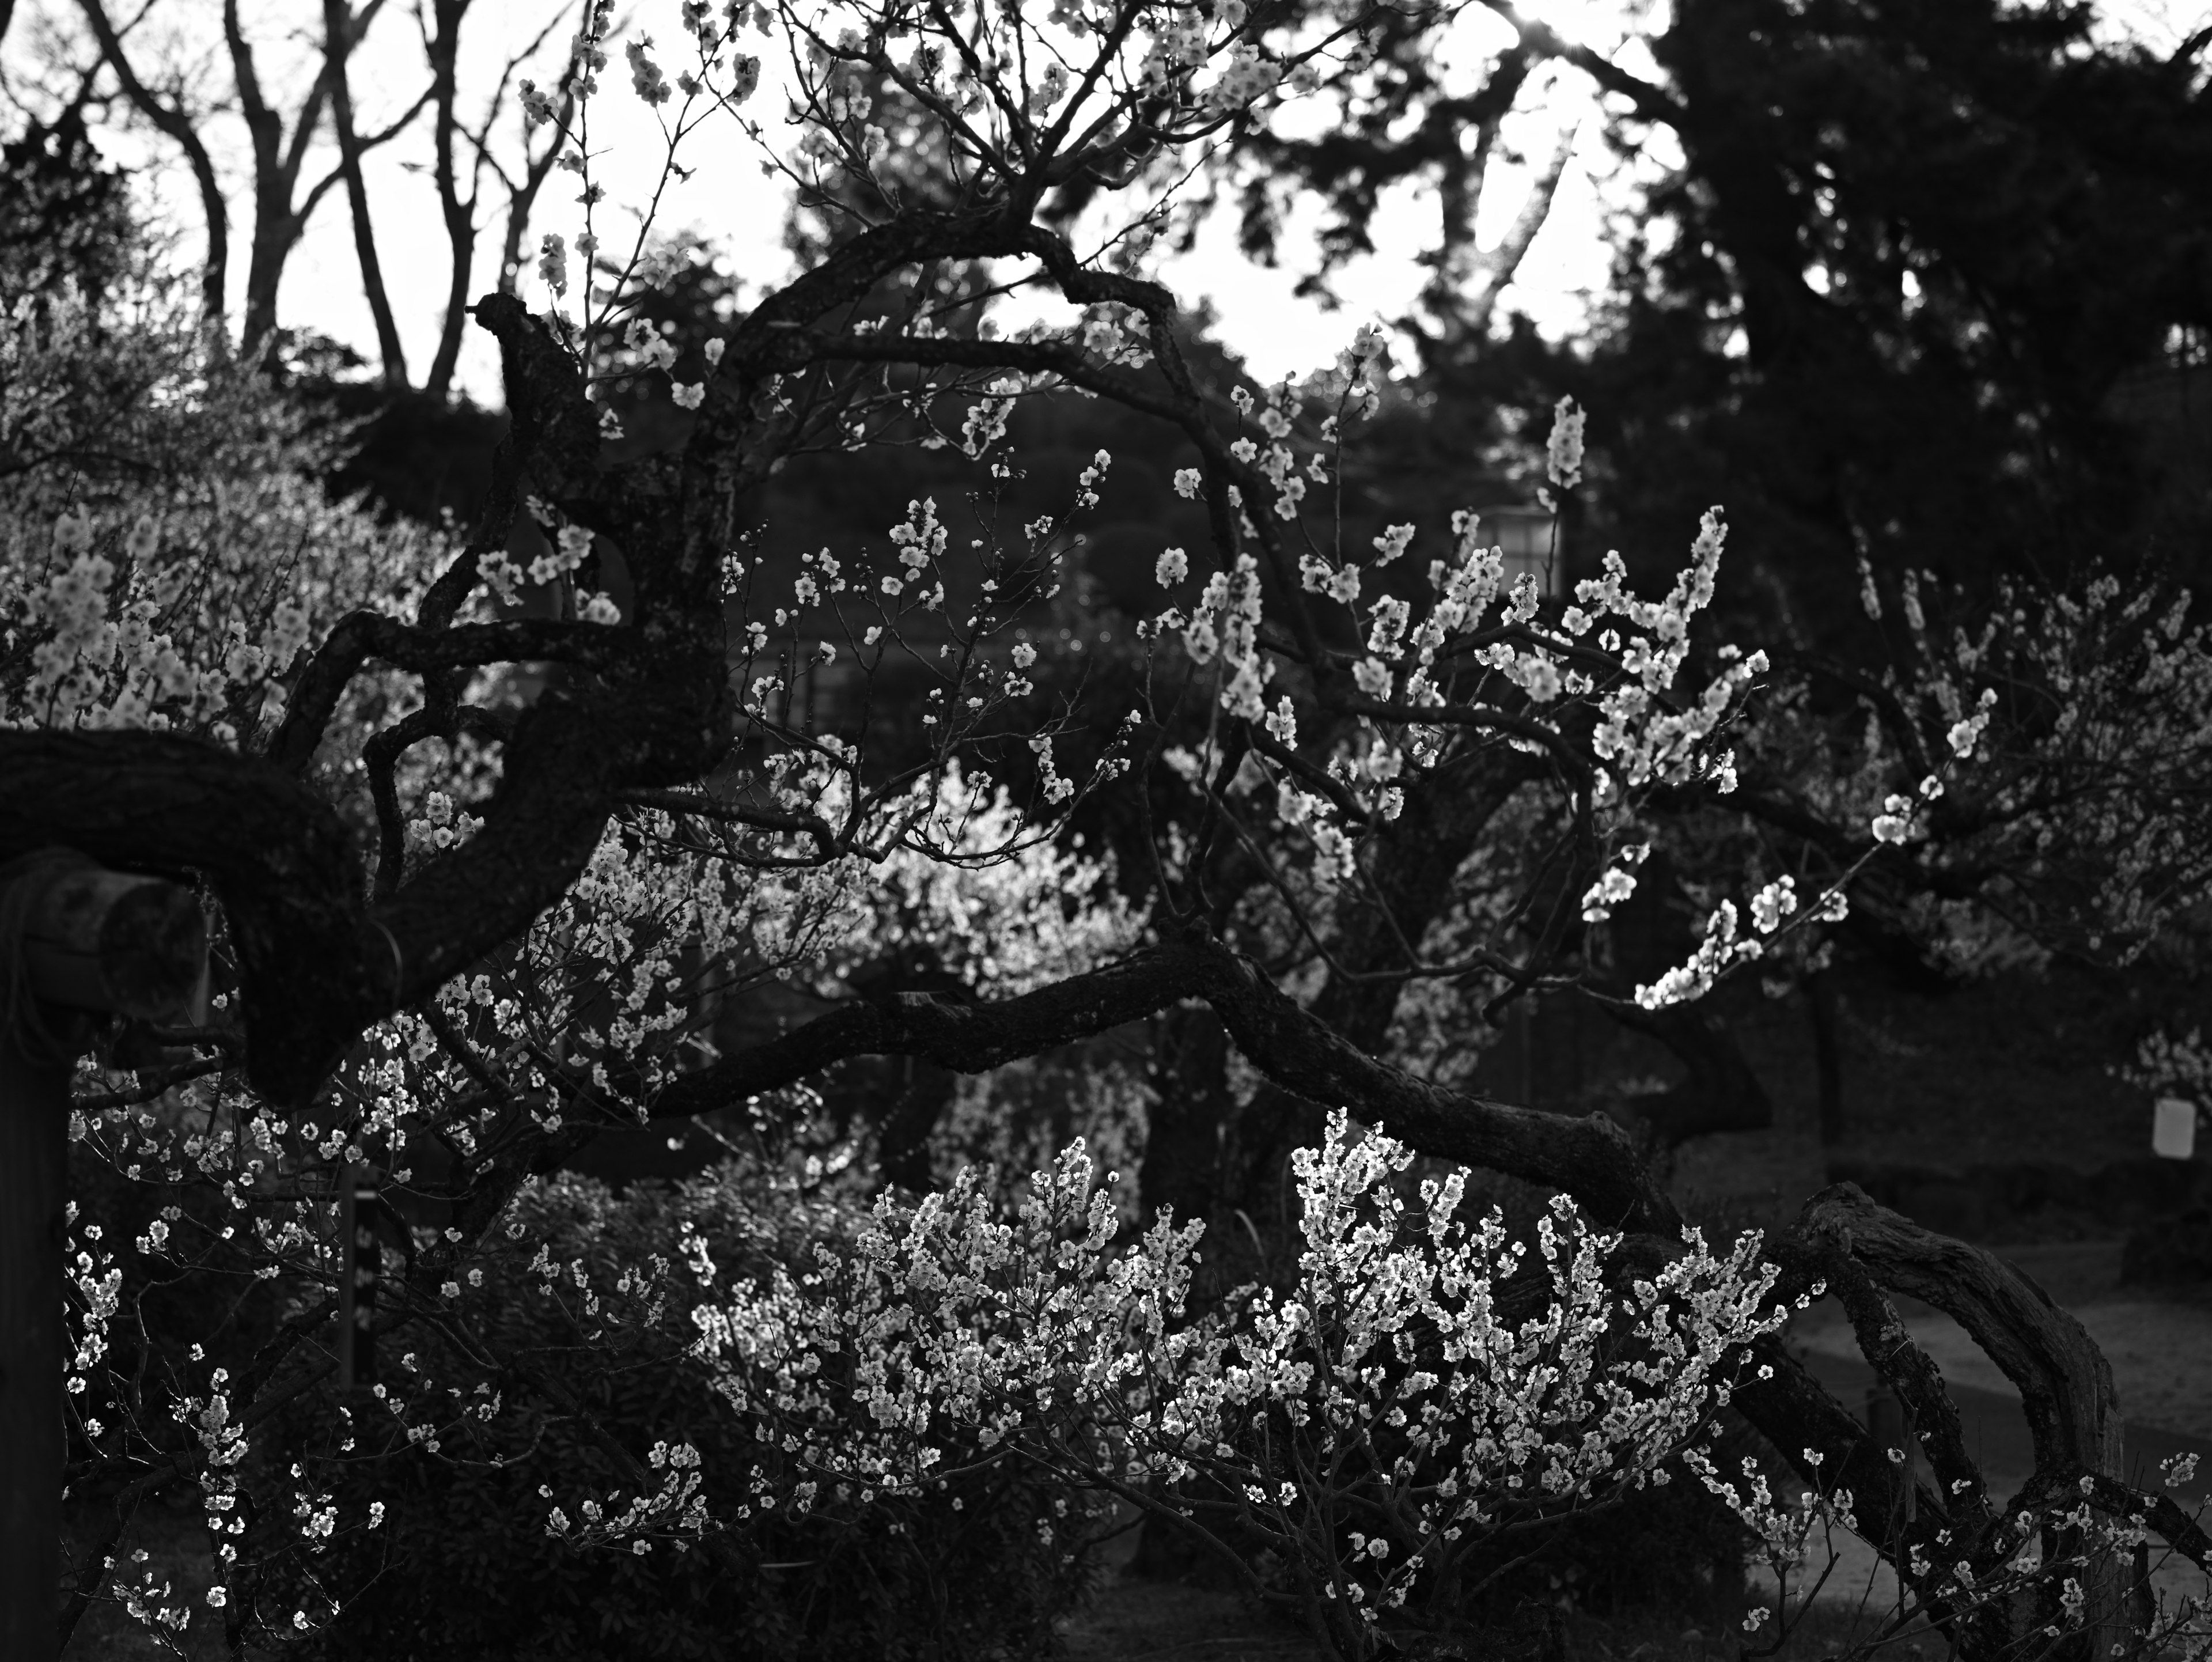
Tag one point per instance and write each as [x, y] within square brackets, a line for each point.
[2173, 1130]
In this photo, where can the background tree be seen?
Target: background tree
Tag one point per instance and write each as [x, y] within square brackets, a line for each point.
[441, 30]
[151, 71]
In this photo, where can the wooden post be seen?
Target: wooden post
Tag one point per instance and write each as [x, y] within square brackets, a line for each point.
[361, 1261]
[1885, 1422]
[76, 942]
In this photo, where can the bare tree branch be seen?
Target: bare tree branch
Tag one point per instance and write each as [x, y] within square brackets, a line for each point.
[340, 31]
[171, 120]
[1652, 101]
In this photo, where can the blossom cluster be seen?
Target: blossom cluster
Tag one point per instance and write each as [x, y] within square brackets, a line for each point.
[2084, 794]
[170, 596]
[946, 1338]
[1520, 670]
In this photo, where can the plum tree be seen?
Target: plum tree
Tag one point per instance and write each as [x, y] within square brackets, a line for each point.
[486, 846]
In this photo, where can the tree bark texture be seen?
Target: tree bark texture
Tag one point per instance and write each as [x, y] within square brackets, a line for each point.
[1182, 1164]
[1444, 820]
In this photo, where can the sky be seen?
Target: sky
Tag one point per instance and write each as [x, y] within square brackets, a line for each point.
[727, 201]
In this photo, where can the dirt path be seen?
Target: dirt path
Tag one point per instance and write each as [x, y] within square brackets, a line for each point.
[1156, 1621]
[2160, 1348]
[2161, 1358]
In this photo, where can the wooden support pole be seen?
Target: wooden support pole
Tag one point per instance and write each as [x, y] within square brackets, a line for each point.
[76, 942]
[34, 1165]
[361, 1261]
[1887, 1423]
